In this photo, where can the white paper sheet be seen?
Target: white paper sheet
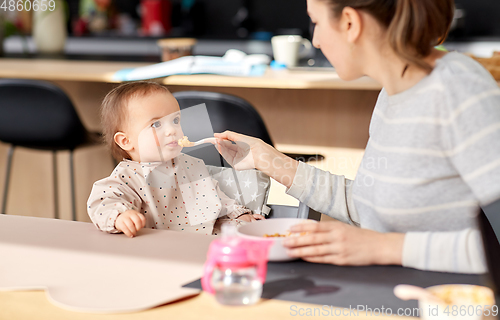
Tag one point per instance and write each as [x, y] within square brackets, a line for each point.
[86, 270]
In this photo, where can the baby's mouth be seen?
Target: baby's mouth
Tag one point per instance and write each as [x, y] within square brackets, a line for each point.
[173, 144]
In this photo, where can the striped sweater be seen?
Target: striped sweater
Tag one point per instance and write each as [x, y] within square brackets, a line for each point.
[432, 158]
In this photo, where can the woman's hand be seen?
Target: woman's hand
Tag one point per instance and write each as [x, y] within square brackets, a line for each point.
[249, 153]
[240, 154]
[129, 222]
[338, 243]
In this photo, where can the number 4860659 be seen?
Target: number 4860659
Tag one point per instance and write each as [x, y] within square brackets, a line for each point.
[27, 5]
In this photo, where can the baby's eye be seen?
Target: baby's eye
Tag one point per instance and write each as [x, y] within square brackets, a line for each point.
[156, 124]
[177, 120]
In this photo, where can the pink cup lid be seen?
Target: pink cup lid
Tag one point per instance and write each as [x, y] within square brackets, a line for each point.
[236, 253]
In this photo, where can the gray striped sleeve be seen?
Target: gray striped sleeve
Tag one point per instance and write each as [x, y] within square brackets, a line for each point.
[460, 251]
[324, 192]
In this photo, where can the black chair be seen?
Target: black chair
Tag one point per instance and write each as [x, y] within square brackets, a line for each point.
[227, 112]
[39, 115]
[489, 223]
[302, 212]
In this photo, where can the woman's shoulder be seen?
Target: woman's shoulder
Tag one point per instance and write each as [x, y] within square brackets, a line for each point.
[464, 83]
[458, 71]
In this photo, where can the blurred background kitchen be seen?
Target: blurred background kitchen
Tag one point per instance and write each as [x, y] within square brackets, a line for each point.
[127, 29]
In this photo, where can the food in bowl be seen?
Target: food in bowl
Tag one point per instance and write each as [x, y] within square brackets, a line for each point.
[257, 230]
[460, 302]
[463, 294]
[288, 234]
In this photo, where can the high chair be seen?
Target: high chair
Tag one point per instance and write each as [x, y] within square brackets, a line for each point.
[227, 112]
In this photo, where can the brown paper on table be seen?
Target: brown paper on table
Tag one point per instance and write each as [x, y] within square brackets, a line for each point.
[83, 269]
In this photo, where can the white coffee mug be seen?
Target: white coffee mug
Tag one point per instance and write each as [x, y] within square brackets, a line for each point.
[286, 49]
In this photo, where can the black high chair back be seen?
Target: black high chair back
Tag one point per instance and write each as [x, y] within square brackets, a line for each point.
[39, 115]
[227, 112]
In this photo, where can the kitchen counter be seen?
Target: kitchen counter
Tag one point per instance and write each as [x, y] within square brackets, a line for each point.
[102, 71]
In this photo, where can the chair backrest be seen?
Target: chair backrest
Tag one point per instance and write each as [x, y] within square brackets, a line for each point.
[489, 222]
[38, 114]
[227, 112]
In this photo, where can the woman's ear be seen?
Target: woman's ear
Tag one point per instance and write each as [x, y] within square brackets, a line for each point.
[122, 141]
[351, 24]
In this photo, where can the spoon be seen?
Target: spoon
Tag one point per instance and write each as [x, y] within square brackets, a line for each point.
[409, 292]
[197, 143]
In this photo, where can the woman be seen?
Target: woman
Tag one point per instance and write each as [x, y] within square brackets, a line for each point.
[436, 128]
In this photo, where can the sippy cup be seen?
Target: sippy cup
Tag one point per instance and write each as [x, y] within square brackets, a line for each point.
[235, 268]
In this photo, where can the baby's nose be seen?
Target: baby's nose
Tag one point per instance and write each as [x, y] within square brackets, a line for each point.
[169, 130]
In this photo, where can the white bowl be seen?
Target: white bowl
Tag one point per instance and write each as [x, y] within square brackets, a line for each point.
[256, 231]
[462, 302]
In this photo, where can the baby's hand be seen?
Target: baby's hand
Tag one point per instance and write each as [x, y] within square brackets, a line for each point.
[129, 222]
[251, 217]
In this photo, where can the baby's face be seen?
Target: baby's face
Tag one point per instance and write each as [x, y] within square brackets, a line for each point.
[154, 126]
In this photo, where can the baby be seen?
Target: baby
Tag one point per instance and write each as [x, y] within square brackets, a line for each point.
[155, 185]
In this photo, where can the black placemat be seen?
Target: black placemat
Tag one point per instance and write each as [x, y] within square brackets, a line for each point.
[349, 287]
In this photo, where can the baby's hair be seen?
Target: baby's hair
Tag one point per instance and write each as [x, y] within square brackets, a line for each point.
[114, 111]
[414, 27]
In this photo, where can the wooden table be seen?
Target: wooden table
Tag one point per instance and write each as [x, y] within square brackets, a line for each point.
[76, 261]
[31, 305]
[85, 253]
[94, 252]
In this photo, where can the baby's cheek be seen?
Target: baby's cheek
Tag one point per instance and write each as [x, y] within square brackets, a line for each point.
[148, 150]
[147, 153]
